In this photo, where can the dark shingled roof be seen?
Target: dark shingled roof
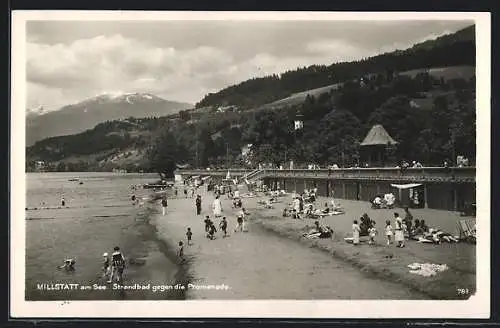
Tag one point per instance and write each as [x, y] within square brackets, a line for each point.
[378, 136]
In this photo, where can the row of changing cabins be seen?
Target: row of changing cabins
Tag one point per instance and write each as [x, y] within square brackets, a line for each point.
[451, 196]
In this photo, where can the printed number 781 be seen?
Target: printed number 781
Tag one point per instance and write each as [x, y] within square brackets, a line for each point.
[462, 291]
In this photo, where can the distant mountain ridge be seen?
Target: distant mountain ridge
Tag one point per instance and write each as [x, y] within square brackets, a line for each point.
[86, 114]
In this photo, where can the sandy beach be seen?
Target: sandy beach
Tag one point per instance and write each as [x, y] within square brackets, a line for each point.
[260, 264]
[373, 259]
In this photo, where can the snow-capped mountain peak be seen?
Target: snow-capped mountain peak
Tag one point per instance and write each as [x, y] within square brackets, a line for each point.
[107, 106]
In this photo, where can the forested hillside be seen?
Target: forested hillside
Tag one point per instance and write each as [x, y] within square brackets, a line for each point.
[449, 50]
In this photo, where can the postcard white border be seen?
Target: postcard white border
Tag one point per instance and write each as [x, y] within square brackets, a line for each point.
[478, 306]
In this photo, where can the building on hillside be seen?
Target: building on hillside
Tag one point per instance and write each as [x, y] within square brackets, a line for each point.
[377, 146]
[223, 109]
[40, 166]
[246, 152]
[183, 166]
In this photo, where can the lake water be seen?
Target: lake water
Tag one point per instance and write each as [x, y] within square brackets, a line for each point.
[97, 216]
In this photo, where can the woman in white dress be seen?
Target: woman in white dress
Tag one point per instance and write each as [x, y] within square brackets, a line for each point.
[398, 231]
[217, 207]
[296, 204]
[355, 232]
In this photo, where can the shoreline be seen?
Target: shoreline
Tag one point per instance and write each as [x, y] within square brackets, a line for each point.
[387, 264]
[288, 270]
[167, 248]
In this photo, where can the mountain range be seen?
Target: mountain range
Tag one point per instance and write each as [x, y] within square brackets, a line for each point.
[86, 114]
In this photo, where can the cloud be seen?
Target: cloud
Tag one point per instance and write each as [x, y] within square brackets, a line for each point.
[64, 72]
[104, 63]
[336, 50]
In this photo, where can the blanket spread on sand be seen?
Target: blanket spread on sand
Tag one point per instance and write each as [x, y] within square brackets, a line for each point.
[427, 269]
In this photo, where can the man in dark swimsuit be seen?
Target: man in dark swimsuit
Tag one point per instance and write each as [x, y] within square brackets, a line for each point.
[117, 265]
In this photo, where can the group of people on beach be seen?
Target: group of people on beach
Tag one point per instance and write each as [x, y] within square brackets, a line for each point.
[366, 227]
[304, 205]
[399, 231]
[384, 201]
[210, 226]
[188, 192]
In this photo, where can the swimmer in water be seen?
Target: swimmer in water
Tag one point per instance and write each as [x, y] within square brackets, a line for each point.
[69, 265]
[106, 265]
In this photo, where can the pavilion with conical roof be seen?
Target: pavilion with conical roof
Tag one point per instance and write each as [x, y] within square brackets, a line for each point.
[375, 146]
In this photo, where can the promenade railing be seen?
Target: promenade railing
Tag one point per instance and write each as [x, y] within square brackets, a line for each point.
[424, 174]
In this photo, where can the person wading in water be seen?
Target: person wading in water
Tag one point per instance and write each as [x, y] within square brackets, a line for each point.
[117, 265]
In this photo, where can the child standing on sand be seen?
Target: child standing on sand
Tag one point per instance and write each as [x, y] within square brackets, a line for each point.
[372, 232]
[207, 223]
[212, 231]
[223, 226]
[355, 232]
[180, 251]
[189, 234]
[388, 231]
[239, 224]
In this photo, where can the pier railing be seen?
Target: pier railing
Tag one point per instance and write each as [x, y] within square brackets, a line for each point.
[425, 174]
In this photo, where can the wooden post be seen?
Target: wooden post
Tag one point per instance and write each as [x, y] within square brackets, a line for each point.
[425, 197]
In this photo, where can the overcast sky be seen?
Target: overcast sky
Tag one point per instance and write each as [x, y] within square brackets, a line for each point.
[183, 60]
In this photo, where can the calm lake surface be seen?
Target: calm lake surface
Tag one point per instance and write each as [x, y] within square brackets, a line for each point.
[97, 216]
